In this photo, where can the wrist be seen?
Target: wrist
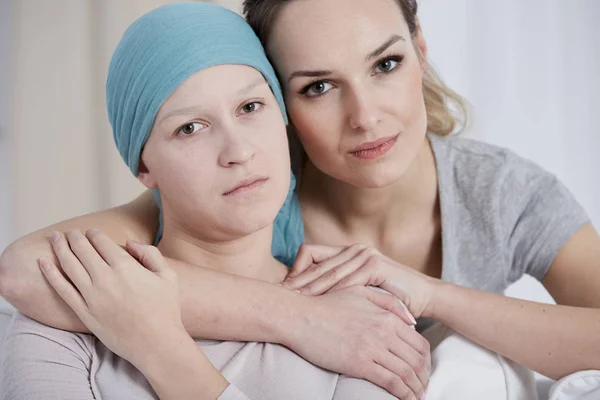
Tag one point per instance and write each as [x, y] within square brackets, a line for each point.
[293, 318]
[439, 297]
[180, 369]
[160, 354]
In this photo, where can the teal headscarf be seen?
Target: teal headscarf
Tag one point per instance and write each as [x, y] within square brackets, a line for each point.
[162, 49]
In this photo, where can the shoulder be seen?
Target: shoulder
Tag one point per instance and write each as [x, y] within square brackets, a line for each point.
[472, 167]
[27, 336]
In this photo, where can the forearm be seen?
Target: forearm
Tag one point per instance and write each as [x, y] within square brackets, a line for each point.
[221, 306]
[177, 369]
[550, 339]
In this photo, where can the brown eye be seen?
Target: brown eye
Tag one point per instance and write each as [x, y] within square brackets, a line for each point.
[251, 107]
[190, 128]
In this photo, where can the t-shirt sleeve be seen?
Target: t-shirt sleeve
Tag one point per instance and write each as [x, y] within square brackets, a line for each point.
[39, 362]
[539, 215]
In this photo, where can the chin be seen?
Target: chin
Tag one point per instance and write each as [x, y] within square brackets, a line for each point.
[375, 176]
[257, 217]
[374, 181]
[250, 224]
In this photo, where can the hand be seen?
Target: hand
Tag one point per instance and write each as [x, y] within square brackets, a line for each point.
[359, 332]
[130, 306]
[320, 269]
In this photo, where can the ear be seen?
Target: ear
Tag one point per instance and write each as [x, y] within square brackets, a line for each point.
[145, 176]
[421, 45]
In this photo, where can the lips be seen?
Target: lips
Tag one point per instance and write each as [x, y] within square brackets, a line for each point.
[247, 185]
[374, 144]
[374, 149]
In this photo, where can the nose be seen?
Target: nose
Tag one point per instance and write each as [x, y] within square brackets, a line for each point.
[363, 114]
[237, 149]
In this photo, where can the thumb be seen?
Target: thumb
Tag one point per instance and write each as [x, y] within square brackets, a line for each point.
[391, 303]
[149, 256]
[310, 254]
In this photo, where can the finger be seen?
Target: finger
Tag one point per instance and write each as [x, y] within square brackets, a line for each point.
[310, 254]
[70, 263]
[86, 254]
[111, 252]
[329, 279]
[417, 362]
[397, 366]
[318, 269]
[389, 303]
[389, 381]
[149, 256]
[62, 286]
[414, 339]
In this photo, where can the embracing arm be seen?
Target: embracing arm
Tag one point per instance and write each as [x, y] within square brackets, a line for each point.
[21, 282]
[554, 340]
[206, 295]
[332, 331]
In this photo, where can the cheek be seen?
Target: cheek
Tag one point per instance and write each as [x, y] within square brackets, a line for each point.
[316, 127]
[182, 171]
[409, 101]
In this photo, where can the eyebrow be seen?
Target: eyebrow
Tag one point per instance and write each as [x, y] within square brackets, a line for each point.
[195, 109]
[375, 53]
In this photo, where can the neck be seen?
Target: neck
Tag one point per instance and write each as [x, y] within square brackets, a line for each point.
[248, 256]
[362, 212]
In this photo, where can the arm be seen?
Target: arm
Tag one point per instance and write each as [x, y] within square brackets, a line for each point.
[554, 340]
[337, 332]
[39, 362]
[21, 282]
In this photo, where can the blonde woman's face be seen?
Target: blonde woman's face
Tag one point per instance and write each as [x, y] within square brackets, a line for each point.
[218, 152]
[353, 86]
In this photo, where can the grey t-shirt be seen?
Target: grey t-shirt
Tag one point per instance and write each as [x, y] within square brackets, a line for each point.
[502, 216]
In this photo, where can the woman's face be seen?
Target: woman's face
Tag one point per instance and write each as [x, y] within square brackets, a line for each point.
[352, 81]
[218, 153]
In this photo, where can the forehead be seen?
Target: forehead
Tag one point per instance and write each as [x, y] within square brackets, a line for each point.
[211, 85]
[315, 31]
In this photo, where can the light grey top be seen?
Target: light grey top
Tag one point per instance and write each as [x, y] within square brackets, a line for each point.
[43, 363]
[502, 216]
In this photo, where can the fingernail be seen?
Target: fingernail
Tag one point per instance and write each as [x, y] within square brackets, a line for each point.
[412, 319]
[298, 291]
[55, 236]
[423, 397]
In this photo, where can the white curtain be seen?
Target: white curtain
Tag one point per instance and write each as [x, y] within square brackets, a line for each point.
[5, 67]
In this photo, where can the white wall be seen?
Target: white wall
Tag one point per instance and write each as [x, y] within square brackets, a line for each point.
[5, 72]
